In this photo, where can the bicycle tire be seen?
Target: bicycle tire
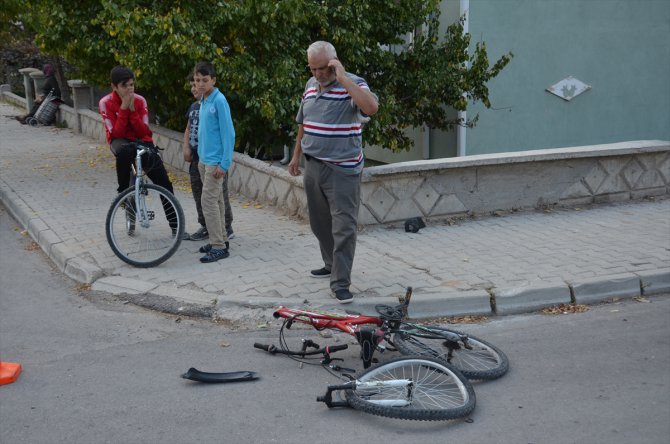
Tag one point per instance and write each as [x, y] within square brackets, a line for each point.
[150, 245]
[440, 392]
[484, 362]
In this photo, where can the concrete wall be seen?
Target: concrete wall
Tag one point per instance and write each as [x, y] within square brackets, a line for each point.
[621, 48]
[482, 184]
[443, 188]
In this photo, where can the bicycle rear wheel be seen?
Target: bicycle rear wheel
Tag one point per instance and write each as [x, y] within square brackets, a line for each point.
[438, 392]
[145, 242]
[483, 362]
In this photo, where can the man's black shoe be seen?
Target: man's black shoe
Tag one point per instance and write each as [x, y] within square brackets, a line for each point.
[320, 273]
[343, 296]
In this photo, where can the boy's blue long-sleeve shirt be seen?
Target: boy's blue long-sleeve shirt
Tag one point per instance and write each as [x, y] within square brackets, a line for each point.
[216, 134]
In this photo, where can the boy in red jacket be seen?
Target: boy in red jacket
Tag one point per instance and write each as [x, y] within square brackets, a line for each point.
[126, 119]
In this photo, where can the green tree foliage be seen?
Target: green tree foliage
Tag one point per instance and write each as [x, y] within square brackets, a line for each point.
[259, 50]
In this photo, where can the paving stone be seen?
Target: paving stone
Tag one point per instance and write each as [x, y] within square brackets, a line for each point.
[119, 285]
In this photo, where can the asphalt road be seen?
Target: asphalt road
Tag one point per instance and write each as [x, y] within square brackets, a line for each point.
[97, 370]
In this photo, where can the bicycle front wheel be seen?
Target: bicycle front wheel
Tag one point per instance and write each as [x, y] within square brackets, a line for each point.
[147, 232]
[437, 392]
[483, 361]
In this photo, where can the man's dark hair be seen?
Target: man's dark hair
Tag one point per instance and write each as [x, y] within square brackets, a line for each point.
[205, 69]
[121, 74]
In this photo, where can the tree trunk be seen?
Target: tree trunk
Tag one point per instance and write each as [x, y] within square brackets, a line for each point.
[62, 81]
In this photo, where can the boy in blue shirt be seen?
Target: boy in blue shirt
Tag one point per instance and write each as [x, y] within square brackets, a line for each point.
[190, 148]
[216, 142]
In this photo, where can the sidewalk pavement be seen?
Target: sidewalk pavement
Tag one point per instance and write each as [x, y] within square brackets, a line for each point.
[59, 185]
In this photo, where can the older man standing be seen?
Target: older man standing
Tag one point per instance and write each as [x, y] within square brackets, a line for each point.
[334, 107]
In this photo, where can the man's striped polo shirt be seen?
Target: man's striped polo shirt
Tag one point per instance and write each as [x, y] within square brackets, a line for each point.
[333, 125]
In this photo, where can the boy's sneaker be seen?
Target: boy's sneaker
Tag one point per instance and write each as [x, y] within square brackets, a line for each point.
[320, 273]
[208, 247]
[200, 235]
[214, 254]
[343, 296]
[230, 233]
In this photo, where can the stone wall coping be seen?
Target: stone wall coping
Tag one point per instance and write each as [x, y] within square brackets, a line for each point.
[166, 132]
[77, 83]
[266, 168]
[604, 150]
[91, 114]
[27, 70]
[36, 74]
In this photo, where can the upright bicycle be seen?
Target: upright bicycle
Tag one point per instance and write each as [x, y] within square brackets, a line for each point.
[145, 222]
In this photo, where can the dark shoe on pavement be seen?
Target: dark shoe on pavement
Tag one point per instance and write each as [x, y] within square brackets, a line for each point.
[185, 236]
[208, 247]
[214, 254]
[200, 235]
[320, 273]
[230, 233]
[343, 296]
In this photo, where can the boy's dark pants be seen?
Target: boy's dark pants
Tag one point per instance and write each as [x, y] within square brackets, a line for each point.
[152, 166]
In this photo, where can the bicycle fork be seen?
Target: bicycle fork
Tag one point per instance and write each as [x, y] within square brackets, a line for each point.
[142, 215]
[369, 389]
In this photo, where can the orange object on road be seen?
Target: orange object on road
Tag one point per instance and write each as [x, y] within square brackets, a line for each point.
[9, 372]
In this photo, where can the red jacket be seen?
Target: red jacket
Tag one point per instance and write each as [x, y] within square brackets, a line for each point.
[123, 123]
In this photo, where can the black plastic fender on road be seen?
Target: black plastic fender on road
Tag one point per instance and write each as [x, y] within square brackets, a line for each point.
[196, 375]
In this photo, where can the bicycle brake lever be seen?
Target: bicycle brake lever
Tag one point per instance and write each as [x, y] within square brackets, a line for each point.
[309, 343]
[344, 370]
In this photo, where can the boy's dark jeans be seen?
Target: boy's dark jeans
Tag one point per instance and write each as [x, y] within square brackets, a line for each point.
[152, 166]
[196, 188]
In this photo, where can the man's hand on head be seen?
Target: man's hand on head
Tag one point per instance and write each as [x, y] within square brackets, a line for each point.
[337, 68]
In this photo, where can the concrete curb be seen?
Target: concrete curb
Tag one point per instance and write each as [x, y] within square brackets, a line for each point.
[603, 288]
[52, 245]
[530, 297]
[654, 281]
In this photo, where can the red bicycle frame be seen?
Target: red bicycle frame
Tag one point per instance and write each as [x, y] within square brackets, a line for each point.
[368, 337]
[346, 323]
